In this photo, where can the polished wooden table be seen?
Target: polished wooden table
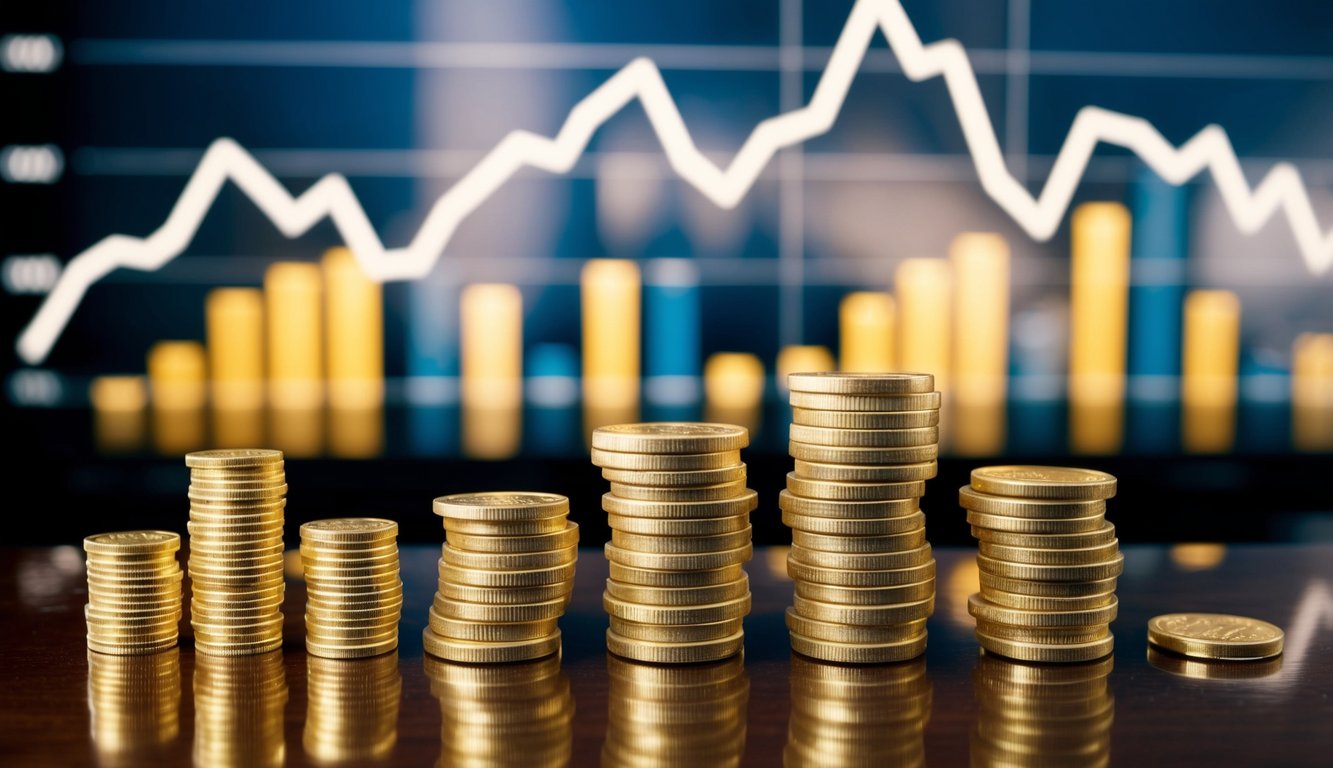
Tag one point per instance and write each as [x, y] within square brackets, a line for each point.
[61, 706]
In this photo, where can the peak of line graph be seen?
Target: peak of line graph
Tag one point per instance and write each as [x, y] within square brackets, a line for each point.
[1281, 190]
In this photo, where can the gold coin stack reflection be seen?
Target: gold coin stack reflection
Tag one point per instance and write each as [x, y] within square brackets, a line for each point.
[353, 708]
[857, 715]
[134, 592]
[1048, 562]
[134, 703]
[676, 716]
[236, 513]
[679, 514]
[505, 576]
[1047, 716]
[238, 710]
[354, 597]
[864, 445]
[519, 715]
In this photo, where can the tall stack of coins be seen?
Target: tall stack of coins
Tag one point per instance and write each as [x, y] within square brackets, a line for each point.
[353, 595]
[352, 714]
[236, 511]
[134, 592]
[864, 446]
[1048, 561]
[506, 574]
[679, 514]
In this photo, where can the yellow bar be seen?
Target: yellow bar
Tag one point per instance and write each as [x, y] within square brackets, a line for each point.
[119, 405]
[981, 317]
[237, 427]
[865, 332]
[297, 432]
[491, 345]
[611, 312]
[802, 359]
[1312, 392]
[924, 289]
[234, 329]
[734, 389]
[1098, 318]
[354, 317]
[356, 433]
[491, 432]
[176, 374]
[1209, 369]
[295, 335]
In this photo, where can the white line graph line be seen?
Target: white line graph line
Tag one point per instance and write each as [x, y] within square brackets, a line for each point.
[1281, 190]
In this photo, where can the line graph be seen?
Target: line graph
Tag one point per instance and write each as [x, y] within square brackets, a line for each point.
[1282, 189]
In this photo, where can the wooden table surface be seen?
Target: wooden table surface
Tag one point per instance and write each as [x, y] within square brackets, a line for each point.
[60, 705]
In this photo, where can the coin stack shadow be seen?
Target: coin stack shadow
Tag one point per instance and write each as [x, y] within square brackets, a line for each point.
[354, 597]
[134, 704]
[676, 716]
[679, 514]
[1042, 716]
[519, 715]
[506, 574]
[134, 592]
[845, 715]
[239, 703]
[864, 574]
[352, 714]
[237, 499]
[1048, 562]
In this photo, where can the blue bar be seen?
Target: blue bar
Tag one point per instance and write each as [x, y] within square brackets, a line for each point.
[432, 338]
[1157, 292]
[551, 426]
[673, 359]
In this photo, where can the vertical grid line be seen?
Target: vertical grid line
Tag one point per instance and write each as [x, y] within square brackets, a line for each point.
[1018, 56]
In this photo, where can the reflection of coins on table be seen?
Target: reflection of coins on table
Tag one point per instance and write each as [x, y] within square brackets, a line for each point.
[1213, 669]
[1215, 636]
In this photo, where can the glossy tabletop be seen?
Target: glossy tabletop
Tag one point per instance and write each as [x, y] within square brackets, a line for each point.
[60, 705]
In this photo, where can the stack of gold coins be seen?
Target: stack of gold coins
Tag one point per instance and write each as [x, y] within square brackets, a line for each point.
[852, 715]
[1048, 561]
[239, 702]
[134, 592]
[352, 713]
[1041, 716]
[236, 510]
[864, 444]
[134, 703]
[353, 595]
[676, 716]
[679, 513]
[519, 715]
[506, 574]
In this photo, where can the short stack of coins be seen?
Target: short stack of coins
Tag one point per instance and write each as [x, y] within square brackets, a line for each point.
[237, 499]
[354, 597]
[134, 592]
[1048, 562]
[864, 574]
[679, 514]
[506, 575]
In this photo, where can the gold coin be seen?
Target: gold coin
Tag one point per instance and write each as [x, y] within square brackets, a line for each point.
[677, 614]
[1048, 588]
[1209, 669]
[654, 527]
[505, 527]
[864, 615]
[368, 604]
[996, 614]
[842, 383]
[1044, 635]
[237, 473]
[490, 632]
[861, 473]
[898, 542]
[677, 510]
[651, 577]
[669, 596]
[349, 652]
[670, 437]
[523, 561]
[833, 632]
[1215, 636]
[880, 561]
[817, 401]
[237, 496]
[664, 462]
[841, 577]
[349, 530]
[484, 577]
[255, 648]
[351, 635]
[864, 438]
[832, 454]
[675, 653]
[886, 526]
[146, 584]
[1035, 526]
[1094, 572]
[132, 543]
[701, 561]
[504, 595]
[1086, 556]
[243, 511]
[686, 479]
[831, 490]
[678, 545]
[905, 593]
[1033, 482]
[542, 542]
[472, 652]
[673, 633]
[233, 458]
[501, 506]
[847, 510]
[503, 614]
[1038, 603]
[117, 648]
[847, 653]
[969, 498]
[375, 613]
[327, 560]
[700, 493]
[1047, 653]
[1092, 538]
[235, 484]
[866, 419]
